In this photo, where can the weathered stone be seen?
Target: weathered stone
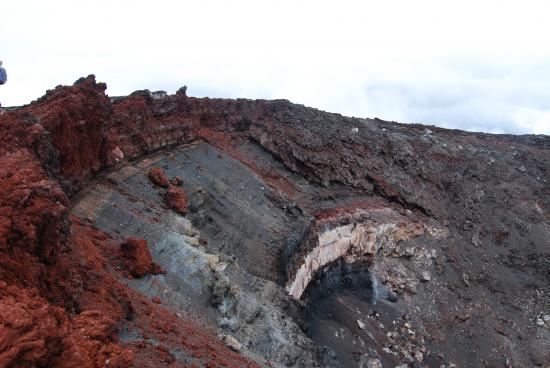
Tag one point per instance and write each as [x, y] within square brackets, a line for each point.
[137, 256]
[176, 199]
[425, 276]
[368, 362]
[221, 289]
[158, 177]
[232, 342]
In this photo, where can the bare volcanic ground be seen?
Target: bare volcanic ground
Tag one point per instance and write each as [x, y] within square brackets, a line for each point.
[162, 230]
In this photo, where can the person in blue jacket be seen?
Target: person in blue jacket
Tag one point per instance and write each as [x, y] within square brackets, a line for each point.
[3, 79]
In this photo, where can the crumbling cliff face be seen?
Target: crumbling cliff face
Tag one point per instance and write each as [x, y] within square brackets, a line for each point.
[158, 230]
[365, 236]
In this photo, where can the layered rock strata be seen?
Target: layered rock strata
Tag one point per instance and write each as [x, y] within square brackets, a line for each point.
[259, 176]
[352, 241]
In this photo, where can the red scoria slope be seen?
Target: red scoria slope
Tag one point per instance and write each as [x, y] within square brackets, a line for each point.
[61, 303]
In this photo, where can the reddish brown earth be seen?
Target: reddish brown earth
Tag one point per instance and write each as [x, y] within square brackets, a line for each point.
[64, 298]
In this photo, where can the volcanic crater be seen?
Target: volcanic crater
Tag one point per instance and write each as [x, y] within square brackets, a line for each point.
[165, 230]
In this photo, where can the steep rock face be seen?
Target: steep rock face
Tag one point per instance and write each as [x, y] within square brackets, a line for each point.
[487, 279]
[357, 240]
[62, 301]
[73, 117]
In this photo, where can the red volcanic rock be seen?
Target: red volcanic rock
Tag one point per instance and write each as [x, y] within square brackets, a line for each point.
[31, 204]
[74, 118]
[156, 300]
[137, 256]
[88, 344]
[177, 199]
[59, 304]
[30, 327]
[158, 177]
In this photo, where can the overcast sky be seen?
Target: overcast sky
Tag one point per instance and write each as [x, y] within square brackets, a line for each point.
[474, 65]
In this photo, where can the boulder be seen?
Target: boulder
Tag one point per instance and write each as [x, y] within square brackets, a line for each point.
[158, 177]
[176, 199]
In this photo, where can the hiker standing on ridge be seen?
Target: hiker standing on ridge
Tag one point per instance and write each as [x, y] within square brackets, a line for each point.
[3, 79]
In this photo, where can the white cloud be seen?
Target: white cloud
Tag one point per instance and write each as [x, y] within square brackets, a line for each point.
[470, 64]
[536, 120]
